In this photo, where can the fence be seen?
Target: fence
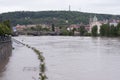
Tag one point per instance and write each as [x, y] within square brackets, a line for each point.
[4, 39]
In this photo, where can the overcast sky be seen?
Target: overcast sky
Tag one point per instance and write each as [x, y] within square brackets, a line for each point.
[94, 6]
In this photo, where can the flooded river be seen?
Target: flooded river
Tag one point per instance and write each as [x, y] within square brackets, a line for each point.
[67, 58]
[23, 64]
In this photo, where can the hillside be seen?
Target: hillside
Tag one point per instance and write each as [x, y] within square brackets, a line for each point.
[49, 17]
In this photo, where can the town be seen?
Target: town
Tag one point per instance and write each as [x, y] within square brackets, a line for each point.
[59, 40]
[94, 28]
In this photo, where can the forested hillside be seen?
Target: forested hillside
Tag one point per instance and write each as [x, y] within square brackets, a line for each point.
[49, 17]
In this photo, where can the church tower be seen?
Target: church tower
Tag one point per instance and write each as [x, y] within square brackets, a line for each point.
[95, 19]
[94, 22]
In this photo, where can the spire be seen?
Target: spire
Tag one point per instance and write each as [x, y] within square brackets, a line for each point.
[95, 19]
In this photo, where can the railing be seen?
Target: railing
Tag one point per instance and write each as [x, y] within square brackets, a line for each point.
[4, 39]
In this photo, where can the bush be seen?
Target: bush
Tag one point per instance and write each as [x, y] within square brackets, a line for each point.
[94, 31]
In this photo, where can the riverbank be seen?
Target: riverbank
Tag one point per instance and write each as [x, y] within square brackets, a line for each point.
[5, 53]
[22, 65]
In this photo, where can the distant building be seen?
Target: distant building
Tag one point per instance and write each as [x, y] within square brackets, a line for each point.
[94, 22]
[20, 27]
[87, 28]
[113, 22]
[14, 29]
[73, 26]
[29, 26]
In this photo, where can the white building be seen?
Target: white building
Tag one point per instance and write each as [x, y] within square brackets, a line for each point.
[114, 23]
[94, 22]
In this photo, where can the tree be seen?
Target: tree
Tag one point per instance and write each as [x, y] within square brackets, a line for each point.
[5, 29]
[82, 30]
[71, 32]
[118, 32]
[107, 30]
[103, 30]
[53, 27]
[38, 28]
[1, 30]
[64, 31]
[118, 29]
[94, 31]
[7, 23]
[112, 30]
[33, 28]
[118, 26]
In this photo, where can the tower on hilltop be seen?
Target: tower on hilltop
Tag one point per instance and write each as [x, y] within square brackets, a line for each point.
[69, 8]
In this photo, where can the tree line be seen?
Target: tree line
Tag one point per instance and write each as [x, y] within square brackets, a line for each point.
[48, 17]
[107, 30]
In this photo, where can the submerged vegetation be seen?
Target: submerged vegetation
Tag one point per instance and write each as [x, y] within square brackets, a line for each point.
[42, 64]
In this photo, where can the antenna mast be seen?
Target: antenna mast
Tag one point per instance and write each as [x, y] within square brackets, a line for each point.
[69, 8]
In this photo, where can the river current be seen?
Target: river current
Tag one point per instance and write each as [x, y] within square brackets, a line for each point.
[67, 58]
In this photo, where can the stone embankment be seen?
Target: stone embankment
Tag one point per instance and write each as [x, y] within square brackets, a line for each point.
[5, 51]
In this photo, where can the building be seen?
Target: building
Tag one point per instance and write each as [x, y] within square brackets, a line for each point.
[94, 22]
[20, 27]
[73, 26]
[113, 22]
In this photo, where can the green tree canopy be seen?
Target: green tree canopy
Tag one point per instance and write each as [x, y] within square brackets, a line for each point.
[82, 30]
[94, 31]
[5, 28]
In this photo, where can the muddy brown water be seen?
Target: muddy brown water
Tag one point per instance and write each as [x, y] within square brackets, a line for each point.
[67, 58]
[23, 64]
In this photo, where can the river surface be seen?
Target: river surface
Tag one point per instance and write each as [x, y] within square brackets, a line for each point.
[68, 58]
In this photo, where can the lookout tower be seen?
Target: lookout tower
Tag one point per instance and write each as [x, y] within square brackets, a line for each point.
[69, 8]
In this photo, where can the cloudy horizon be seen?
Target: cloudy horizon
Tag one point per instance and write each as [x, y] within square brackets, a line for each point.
[93, 6]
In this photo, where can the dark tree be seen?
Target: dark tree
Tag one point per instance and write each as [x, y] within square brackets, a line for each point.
[118, 29]
[102, 30]
[112, 30]
[53, 27]
[94, 31]
[7, 23]
[82, 30]
[4, 29]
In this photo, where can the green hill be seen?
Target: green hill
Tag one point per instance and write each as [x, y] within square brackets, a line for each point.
[49, 17]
